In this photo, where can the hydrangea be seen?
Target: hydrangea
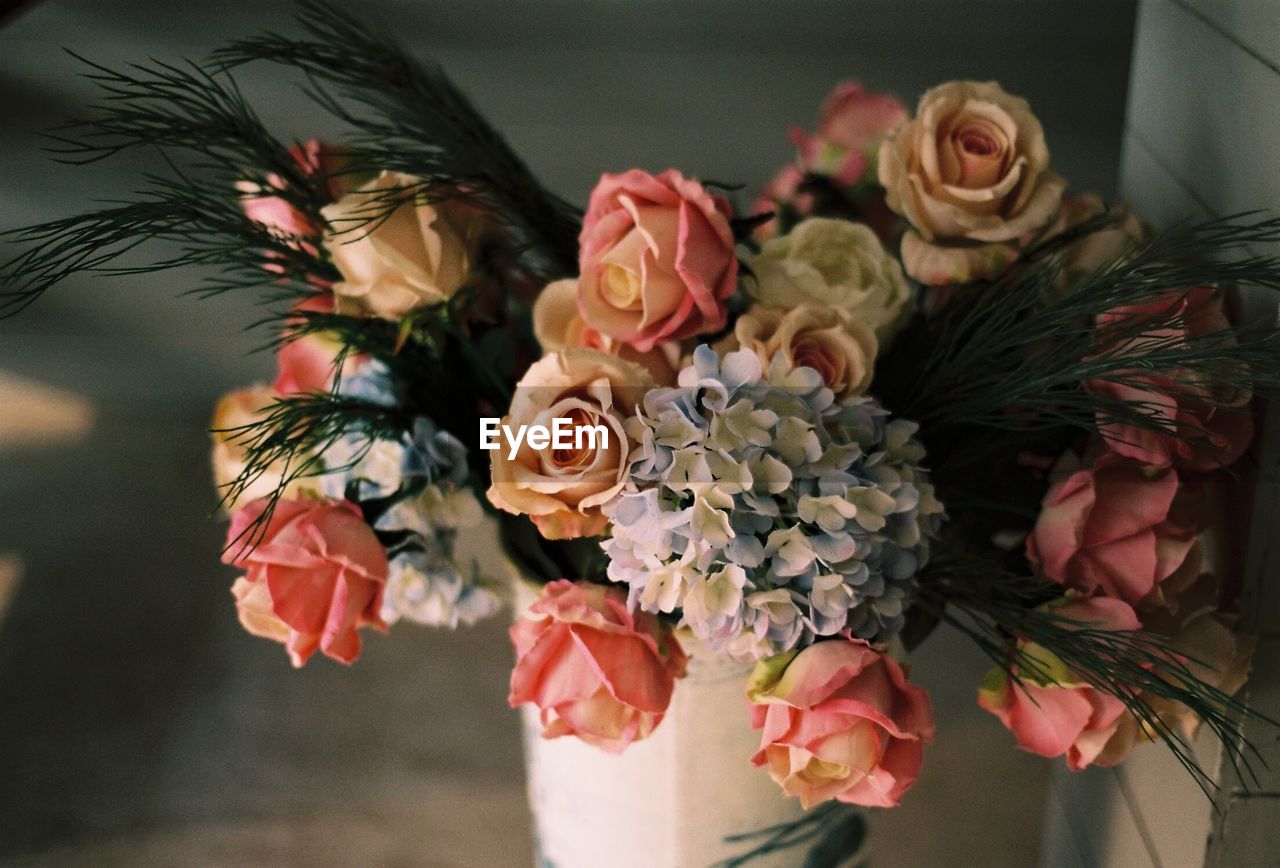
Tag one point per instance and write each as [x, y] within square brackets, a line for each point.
[422, 474]
[768, 512]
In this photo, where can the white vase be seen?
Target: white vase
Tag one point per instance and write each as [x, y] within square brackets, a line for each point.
[670, 801]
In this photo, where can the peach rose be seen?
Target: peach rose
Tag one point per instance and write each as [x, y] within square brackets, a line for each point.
[657, 259]
[840, 722]
[1109, 524]
[391, 265]
[562, 490]
[1207, 425]
[970, 173]
[236, 410]
[835, 264]
[1052, 711]
[558, 325]
[1202, 627]
[838, 347]
[594, 669]
[315, 574]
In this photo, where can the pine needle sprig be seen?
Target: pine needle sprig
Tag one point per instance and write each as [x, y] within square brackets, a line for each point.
[992, 606]
[408, 116]
[291, 438]
[205, 222]
[1014, 354]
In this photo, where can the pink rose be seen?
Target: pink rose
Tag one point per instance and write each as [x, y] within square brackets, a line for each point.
[275, 212]
[839, 722]
[657, 259]
[594, 669]
[1110, 525]
[315, 575]
[854, 122]
[306, 363]
[1052, 711]
[1206, 424]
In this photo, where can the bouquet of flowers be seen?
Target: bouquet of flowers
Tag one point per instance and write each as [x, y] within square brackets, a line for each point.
[915, 383]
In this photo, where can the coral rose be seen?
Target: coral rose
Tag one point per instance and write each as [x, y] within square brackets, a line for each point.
[657, 259]
[1204, 424]
[1112, 525]
[592, 668]
[314, 575]
[1052, 711]
[562, 490]
[840, 722]
[838, 347]
[970, 173]
[394, 263]
[558, 325]
[835, 264]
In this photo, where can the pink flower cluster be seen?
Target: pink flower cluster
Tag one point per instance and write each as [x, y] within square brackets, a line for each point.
[1120, 528]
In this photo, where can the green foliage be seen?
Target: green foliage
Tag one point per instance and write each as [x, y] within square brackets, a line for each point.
[408, 116]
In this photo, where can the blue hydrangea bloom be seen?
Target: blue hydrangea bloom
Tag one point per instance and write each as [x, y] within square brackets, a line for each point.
[768, 513]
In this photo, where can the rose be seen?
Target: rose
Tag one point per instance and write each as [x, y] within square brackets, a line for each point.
[593, 668]
[1096, 249]
[558, 325]
[1052, 711]
[234, 412]
[315, 573]
[835, 264]
[1204, 424]
[314, 159]
[840, 722]
[657, 259]
[562, 490]
[1202, 629]
[854, 122]
[1110, 524]
[395, 262]
[839, 348]
[970, 173]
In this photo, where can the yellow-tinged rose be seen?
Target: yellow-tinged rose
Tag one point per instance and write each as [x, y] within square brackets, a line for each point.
[834, 264]
[970, 173]
[562, 490]
[558, 325]
[830, 341]
[392, 264]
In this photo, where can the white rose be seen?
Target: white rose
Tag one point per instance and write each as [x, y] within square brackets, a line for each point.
[392, 264]
[835, 264]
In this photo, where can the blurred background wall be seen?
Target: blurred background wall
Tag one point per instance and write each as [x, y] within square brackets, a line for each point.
[138, 724]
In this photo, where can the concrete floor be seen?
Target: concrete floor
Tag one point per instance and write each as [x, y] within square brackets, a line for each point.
[138, 724]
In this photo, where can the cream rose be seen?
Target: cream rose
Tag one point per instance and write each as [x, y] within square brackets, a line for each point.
[838, 347]
[558, 324]
[970, 173]
[835, 264]
[562, 490]
[391, 265]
